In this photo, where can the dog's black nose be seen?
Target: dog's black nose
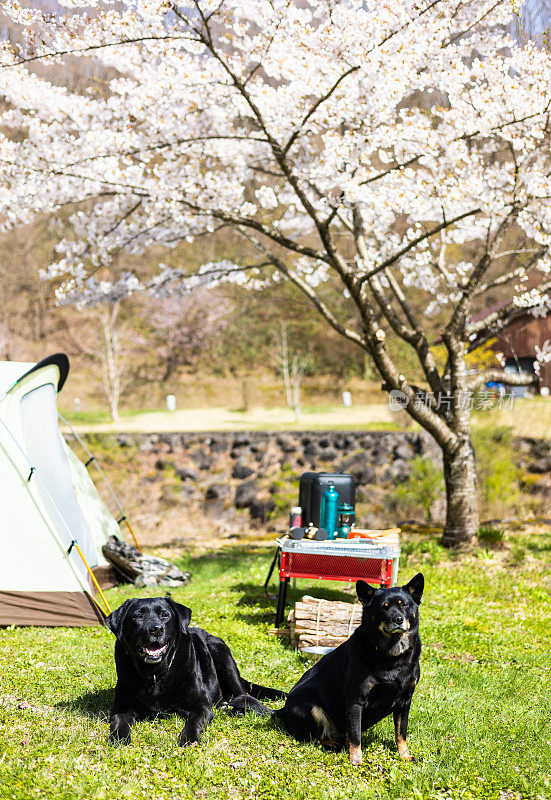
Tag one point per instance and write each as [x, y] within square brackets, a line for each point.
[156, 630]
[398, 619]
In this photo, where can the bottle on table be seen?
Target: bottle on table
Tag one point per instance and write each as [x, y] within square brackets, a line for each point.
[329, 514]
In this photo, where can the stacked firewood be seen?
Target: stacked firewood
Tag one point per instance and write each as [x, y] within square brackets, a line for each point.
[325, 623]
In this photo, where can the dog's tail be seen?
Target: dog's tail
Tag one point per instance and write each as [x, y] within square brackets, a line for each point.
[262, 692]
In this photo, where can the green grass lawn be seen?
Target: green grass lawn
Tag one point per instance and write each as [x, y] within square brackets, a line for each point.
[480, 725]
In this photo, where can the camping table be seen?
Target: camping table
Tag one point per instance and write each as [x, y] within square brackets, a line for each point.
[336, 560]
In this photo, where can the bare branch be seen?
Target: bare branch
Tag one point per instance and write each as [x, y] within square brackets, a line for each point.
[307, 290]
[516, 273]
[500, 376]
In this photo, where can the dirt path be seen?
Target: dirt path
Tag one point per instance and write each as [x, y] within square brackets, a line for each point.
[224, 419]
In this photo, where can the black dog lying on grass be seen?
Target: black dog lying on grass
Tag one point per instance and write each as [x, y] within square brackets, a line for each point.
[164, 667]
[366, 678]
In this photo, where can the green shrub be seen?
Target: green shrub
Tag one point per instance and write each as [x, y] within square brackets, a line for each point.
[421, 489]
[422, 551]
[489, 534]
[496, 468]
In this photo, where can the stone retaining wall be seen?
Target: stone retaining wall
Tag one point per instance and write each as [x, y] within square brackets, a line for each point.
[227, 482]
[228, 475]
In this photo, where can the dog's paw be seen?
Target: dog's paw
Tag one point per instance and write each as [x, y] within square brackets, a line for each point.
[355, 755]
[403, 751]
[120, 736]
[186, 740]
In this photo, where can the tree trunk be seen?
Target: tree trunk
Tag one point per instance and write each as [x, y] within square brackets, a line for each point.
[111, 358]
[462, 518]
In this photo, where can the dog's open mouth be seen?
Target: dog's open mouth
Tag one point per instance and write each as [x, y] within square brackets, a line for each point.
[151, 654]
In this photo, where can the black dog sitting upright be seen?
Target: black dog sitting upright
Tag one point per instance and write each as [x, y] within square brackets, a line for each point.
[164, 667]
[366, 678]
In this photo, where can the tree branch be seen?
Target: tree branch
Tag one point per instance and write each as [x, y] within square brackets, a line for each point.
[516, 273]
[389, 261]
[500, 376]
[79, 50]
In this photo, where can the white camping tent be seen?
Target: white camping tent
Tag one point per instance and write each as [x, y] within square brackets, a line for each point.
[49, 505]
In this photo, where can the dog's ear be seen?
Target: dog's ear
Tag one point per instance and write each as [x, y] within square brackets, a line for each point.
[116, 618]
[365, 592]
[183, 613]
[415, 587]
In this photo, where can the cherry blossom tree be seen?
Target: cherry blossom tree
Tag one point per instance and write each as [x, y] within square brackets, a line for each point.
[395, 152]
[184, 325]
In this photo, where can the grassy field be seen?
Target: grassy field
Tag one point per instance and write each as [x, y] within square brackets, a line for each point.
[480, 725]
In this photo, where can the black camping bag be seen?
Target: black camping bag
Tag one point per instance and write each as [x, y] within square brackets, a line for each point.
[313, 484]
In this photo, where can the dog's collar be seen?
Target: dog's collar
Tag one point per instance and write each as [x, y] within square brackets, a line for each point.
[154, 676]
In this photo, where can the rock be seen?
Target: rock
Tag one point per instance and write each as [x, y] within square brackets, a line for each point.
[149, 479]
[379, 456]
[366, 442]
[312, 450]
[539, 467]
[238, 452]
[372, 495]
[202, 459]
[170, 439]
[329, 454]
[271, 457]
[216, 508]
[188, 491]
[217, 490]
[358, 465]
[170, 498]
[123, 441]
[241, 470]
[400, 470]
[404, 451]
[261, 509]
[241, 439]
[260, 447]
[438, 510]
[245, 494]
[219, 446]
[287, 443]
[187, 474]
[533, 485]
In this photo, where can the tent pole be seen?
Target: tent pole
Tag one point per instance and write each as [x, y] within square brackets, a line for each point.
[74, 543]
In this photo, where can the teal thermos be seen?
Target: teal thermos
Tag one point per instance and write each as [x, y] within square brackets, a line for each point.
[329, 514]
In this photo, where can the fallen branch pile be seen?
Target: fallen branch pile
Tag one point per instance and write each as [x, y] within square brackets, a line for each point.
[326, 623]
